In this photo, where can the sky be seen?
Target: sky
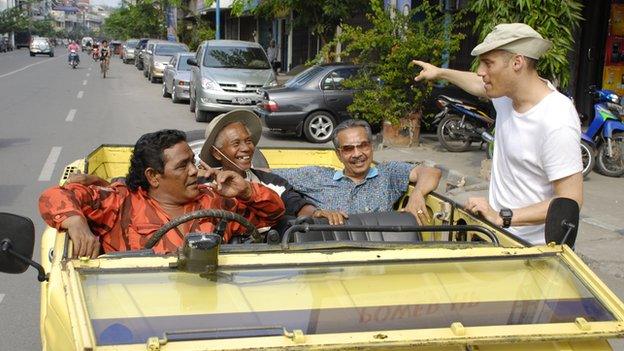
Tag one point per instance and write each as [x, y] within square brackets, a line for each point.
[113, 3]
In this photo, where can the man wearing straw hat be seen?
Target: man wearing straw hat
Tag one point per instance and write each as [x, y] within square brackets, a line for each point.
[537, 150]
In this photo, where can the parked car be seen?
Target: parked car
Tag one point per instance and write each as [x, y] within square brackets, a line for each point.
[227, 75]
[41, 45]
[127, 54]
[3, 45]
[310, 104]
[7, 43]
[176, 77]
[145, 53]
[159, 56]
[138, 53]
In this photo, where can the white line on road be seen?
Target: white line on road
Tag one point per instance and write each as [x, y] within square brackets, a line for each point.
[80, 94]
[89, 70]
[50, 163]
[25, 67]
[600, 224]
[1, 297]
[84, 82]
[70, 115]
[88, 74]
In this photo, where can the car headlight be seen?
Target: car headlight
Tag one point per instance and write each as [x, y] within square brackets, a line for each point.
[208, 83]
[159, 65]
[272, 83]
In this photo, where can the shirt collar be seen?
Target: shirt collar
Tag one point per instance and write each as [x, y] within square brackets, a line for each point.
[372, 173]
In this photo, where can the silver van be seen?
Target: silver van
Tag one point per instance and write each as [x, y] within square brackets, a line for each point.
[227, 75]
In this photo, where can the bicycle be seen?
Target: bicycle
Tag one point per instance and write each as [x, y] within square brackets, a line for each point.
[104, 66]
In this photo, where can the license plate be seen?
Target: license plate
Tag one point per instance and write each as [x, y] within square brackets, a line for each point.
[241, 101]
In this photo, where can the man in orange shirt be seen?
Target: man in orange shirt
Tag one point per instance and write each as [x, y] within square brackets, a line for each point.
[161, 185]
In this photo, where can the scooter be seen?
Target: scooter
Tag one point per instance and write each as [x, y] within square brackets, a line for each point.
[460, 124]
[73, 59]
[602, 144]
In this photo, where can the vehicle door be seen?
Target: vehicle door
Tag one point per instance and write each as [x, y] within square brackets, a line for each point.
[147, 56]
[169, 73]
[335, 95]
[196, 71]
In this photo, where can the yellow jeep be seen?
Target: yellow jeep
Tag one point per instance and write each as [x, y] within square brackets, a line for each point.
[378, 282]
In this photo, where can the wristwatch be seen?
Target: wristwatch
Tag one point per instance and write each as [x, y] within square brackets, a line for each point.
[506, 215]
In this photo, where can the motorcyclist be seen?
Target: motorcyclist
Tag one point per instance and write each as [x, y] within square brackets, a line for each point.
[104, 52]
[73, 47]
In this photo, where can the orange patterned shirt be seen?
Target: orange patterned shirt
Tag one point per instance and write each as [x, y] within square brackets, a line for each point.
[125, 220]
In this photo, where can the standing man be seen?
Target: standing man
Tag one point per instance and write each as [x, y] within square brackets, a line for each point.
[537, 150]
[272, 55]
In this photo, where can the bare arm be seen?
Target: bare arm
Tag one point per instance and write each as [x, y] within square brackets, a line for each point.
[426, 180]
[467, 81]
[570, 187]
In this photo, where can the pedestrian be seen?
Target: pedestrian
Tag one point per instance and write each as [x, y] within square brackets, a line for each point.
[272, 53]
[537, 151]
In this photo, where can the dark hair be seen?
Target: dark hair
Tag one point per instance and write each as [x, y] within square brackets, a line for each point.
[351, 123]
[149, 152]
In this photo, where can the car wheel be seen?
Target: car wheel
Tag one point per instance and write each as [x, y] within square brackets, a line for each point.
[319, 126]
[192, 104]
[32, 54]
[152, 79]
[165, 93]
[174, 97]
[145, 73]
[51, 54]
[201, 116]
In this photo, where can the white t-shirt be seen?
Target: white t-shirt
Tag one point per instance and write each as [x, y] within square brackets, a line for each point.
[532, 150]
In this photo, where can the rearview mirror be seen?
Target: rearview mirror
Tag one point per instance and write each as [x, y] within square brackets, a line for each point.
[17, 236]
[191, 61]
[562, 221]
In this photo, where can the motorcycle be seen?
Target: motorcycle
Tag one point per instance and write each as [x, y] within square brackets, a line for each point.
[460, 124]
[73, 59]
[602, 145]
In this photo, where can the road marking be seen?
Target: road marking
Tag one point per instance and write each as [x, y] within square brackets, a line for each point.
[25, 67]
[80, 94]
[50, 163]
[89, 70]
[1, 297]
[84, 82]
[600, 224]
[88, 74]
[70, 115]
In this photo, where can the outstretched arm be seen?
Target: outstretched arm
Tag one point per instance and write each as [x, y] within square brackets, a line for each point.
[470, 82]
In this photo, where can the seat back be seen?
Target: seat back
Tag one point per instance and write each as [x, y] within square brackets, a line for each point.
[366, 219]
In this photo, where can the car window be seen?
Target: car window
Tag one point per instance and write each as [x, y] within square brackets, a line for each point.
[304, 77]
[236, 57]
[150, 47]
[131, 43]
[183, 65]
[173, 61]
[168, 49]
[334, 80]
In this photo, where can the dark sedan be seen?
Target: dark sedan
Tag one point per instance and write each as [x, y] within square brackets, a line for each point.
[310, 104]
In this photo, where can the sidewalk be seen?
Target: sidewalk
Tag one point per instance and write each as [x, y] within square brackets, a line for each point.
[601, 236]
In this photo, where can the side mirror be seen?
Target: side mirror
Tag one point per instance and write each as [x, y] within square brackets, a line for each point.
[17, 234]
[191, 61]
[562, 221]
[149, 51]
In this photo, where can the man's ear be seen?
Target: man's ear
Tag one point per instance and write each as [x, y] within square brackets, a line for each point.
[152, 176]
[216, 155]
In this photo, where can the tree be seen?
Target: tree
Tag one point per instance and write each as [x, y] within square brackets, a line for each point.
[145, 18]
[384, 86]
[192, 34]
[553, 19]
[322, 16]
[13, 19]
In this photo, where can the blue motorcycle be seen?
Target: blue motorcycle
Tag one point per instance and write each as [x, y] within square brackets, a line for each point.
[602, 145]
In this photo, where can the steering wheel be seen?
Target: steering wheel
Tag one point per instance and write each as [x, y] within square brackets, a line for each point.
[223, 214]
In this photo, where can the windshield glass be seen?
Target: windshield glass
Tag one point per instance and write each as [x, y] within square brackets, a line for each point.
[304, 77]
[182, 64]
[338, 298]
[236, 57]
[131, 43]
[168, 50]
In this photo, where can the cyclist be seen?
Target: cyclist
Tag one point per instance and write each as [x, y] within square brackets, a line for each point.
[105, 53]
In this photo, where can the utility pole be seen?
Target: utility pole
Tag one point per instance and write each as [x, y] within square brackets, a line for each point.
[218, 20]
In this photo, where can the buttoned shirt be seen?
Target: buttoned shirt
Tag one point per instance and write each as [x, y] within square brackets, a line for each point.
[330, 189]
[125, 219]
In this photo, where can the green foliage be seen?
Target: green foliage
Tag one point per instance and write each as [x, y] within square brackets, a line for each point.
[145, 18]
[43, 28]
[198, 32]
[385, 89]
[322, 16]
[13, 19]
[553, 19]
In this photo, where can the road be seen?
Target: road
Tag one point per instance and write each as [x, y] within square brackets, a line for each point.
[52, 115]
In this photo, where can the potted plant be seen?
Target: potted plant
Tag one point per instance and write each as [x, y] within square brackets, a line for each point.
[385, 91]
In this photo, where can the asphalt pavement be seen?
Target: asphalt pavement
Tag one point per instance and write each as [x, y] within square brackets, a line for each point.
[52, 115]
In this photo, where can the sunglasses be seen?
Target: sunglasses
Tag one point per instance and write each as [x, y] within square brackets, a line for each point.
[363, 146]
